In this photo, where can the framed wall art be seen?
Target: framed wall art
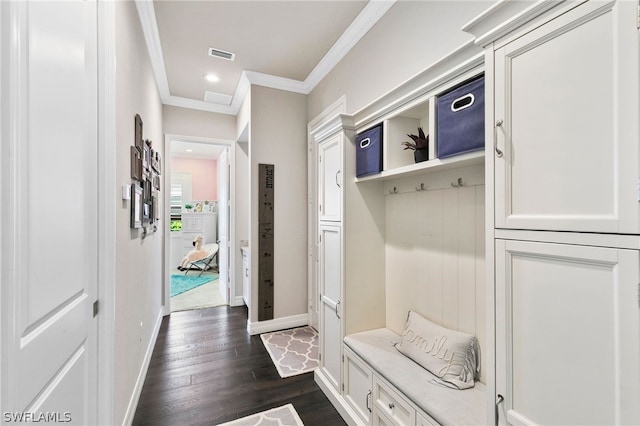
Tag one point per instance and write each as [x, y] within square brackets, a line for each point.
[136, 206]
[138, 133]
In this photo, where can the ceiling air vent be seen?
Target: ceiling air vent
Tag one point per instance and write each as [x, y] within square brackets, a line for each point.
[217, 53]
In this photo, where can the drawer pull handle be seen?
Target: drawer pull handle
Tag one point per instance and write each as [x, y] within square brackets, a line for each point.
[391, 406]
[499, 153]
[368, 404]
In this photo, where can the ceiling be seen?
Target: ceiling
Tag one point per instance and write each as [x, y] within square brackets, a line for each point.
[288, 45]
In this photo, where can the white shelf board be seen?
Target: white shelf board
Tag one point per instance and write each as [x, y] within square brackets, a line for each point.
[431, 166]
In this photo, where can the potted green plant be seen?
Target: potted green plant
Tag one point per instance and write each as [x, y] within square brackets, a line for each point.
[188, 207]
[419, 145]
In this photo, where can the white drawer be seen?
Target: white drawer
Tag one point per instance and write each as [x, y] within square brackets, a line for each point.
[393, 406]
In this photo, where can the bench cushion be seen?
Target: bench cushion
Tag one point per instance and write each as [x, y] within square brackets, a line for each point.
[447, 406]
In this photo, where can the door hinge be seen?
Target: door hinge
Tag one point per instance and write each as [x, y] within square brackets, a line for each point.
[638, 16]
[95, 308]
[342, 386]
[319, 357]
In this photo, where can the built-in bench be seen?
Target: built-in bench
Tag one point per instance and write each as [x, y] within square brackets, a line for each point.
[444, 405]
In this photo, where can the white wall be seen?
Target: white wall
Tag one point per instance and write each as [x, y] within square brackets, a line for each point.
[138, 280]
[278, 136]
[411, 36]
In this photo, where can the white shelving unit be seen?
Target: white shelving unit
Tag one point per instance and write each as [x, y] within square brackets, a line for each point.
[397, 124]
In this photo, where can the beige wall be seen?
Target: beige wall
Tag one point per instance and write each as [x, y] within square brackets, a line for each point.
[278, 136]
[411, 36]
[139, 263]
[192, 122]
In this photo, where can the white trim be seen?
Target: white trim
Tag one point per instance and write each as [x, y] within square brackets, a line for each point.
[147, 15]
[276, 324]
[236, 301]
[505, 16]
[142, 374]
[338, 402]
[107, 207]
[368, 17]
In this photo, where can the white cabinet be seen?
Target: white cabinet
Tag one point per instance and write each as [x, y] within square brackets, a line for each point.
[567, 155]
[331, 332]
[330, 178]
[347, 224]
[565, 162]
[358, 386]
[194, 224]
[567, 342]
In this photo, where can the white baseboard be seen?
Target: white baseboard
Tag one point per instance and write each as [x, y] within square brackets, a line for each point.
[236, 301]
[276, 324]
[339, 403]
[137, 390]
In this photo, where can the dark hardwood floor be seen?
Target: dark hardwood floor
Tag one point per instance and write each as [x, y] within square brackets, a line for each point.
[206, 370]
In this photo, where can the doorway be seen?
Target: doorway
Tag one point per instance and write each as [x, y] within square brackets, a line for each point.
[194, 185]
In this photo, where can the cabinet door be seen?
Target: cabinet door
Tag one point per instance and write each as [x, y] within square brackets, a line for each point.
[566, 109]
[192, 223]
[567, 334]
[330, 310]
[358, 385]
[330, 179]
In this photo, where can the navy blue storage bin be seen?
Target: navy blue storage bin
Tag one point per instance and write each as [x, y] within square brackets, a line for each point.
[460, 119]
[369, 151]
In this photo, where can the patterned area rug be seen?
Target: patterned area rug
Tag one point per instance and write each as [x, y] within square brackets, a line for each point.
[285, 415]
[293, 351]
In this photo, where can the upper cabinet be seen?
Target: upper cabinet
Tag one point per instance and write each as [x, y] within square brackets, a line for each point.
[566, 125]
[330, 178]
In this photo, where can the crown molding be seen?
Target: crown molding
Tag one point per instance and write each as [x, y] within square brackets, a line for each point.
[334, 125]
[147, 16]
[368, 17]
[275, 82]
[505, 15]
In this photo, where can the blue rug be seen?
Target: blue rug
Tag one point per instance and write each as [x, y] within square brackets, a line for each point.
[183, 283]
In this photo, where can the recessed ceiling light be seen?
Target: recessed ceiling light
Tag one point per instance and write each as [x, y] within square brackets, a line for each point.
[211, 77]
[189, 150]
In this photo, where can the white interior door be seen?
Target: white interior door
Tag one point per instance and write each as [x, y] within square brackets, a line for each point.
[223, 222]
[49, 215]
[567, 337]
[567, 108]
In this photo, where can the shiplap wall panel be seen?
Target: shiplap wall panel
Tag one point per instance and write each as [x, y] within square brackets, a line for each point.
[435, 257]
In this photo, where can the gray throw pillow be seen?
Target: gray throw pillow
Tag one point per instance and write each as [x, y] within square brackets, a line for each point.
[450, 355]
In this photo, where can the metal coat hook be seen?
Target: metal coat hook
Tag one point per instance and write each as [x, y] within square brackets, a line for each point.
[421, 187]
[394, 191]
[458, 184]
